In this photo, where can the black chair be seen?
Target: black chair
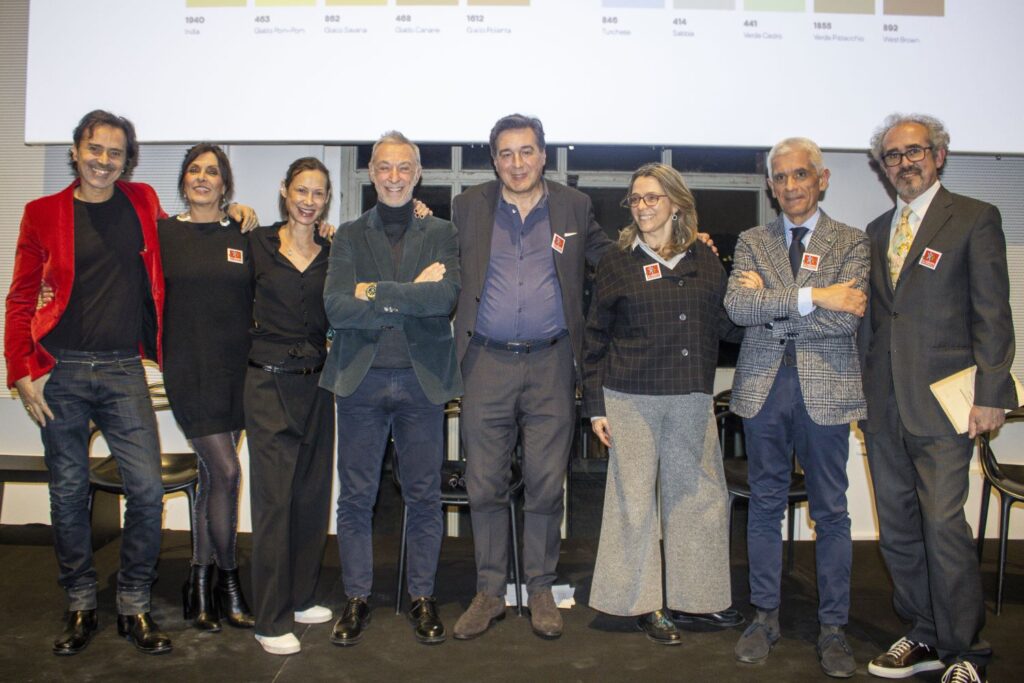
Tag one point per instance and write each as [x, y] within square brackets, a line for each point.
[178, 471]
[453, 492]
[734, 454]
[1009, 481]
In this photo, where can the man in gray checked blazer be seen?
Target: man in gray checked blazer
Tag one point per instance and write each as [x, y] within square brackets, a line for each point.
[798, 286]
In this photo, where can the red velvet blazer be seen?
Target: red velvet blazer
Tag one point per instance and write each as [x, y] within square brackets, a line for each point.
[46, 251]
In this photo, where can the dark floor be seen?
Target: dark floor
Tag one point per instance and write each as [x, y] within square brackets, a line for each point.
[595, 647]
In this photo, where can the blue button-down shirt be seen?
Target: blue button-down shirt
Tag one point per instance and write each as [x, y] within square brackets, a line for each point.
[521, 299]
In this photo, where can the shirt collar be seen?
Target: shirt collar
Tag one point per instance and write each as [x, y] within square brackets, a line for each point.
[670, 263]
[921, 203]
[810, 223]
[506, 205]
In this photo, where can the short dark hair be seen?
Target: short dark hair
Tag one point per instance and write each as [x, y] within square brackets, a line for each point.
[514, 122]
[297, 167]
[99, 117]
[222, 161]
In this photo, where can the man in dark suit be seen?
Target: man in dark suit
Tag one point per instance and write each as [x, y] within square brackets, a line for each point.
[391, 286]
[524, 245]
[939, 304]
[798, 287]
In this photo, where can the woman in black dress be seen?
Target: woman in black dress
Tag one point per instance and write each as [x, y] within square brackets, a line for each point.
[207, 315]
[289, 419]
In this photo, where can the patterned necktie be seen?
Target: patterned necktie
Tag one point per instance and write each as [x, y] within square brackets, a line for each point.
[796, 248]
[901, 241]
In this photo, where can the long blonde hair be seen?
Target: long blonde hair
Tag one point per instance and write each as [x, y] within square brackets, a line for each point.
[684, 221]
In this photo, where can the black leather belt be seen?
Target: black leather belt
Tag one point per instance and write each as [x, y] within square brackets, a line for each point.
[525, 346]
[278, 370]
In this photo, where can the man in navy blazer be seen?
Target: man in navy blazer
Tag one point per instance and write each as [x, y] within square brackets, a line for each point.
[525, 242]
[939, 304]
[391, 286]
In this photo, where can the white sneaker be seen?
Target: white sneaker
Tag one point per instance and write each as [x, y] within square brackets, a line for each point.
[317, 614]
[287, 644]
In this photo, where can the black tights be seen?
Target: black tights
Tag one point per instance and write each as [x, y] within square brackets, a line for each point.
[216, 510]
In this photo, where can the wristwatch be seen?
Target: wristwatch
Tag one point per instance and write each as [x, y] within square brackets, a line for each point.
[371, 291]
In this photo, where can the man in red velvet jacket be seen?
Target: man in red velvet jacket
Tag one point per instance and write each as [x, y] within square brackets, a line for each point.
[77, 359]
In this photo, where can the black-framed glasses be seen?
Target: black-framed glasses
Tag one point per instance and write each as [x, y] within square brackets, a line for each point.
[633, 200]
[913, 154]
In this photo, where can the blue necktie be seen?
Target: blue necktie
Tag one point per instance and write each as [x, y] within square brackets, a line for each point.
[796, 248]
[796, 255]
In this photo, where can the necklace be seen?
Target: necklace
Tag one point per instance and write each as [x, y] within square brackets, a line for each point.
[187, 218]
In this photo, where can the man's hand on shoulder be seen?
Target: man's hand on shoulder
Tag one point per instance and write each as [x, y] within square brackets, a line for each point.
[705, 238]
[842, 297]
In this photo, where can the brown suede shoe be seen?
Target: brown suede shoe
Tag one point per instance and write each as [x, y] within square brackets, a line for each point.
[544, 617]
[483, 611]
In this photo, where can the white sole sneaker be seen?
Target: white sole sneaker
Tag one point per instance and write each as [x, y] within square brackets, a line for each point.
[317, 614]
[907, 671]
[287, 644]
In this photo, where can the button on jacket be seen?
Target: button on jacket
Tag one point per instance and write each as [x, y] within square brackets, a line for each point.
[659, 336]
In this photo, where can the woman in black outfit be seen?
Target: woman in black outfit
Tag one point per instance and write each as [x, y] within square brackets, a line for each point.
[207, 315]
[289, 419]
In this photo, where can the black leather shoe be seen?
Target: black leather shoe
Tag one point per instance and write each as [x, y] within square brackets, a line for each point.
[659, 628]
[79, 627]
[143, 633]
[727, 618]
[349, 629]
[423, 614]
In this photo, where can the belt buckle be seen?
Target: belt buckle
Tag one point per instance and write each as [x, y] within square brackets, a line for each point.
[518, 347]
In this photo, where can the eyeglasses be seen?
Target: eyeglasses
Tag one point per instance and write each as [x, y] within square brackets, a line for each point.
[633, 200]
[894, 158]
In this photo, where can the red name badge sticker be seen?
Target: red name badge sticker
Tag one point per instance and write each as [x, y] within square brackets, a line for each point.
[652, 272]
[235, 255]
[930, 259]
[810, 262]
[558, 243]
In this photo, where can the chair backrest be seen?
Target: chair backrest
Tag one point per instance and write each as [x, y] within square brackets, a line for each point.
[989, 462]
[730, 434]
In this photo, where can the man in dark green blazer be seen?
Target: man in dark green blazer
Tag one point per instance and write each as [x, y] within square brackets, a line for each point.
[391, 286]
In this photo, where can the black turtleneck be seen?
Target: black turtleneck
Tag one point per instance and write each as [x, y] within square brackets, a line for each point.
[396, 219]
[393, 347]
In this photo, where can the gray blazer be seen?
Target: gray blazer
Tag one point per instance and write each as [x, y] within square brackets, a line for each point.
[939, 321]
[361, 253]
[572, 216]
[826, 351]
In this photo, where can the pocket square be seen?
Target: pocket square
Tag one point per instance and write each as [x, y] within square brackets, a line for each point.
[568, 234]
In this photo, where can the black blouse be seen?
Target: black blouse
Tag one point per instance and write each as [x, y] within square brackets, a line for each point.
[289, 322]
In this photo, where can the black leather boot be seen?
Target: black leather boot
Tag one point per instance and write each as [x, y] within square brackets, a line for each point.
[230, 602]
[143, 633]
[197, 602]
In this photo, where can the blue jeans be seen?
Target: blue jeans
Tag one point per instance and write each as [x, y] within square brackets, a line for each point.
[781, 426]
[389, 401]
[109, 389]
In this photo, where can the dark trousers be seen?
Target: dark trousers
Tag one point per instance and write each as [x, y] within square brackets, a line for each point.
[290, 425]
[822, 450]
[508, 395]
[108, 388]
[389, 401]
[921, 485]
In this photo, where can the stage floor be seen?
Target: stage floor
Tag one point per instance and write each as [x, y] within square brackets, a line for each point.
[595, 647]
